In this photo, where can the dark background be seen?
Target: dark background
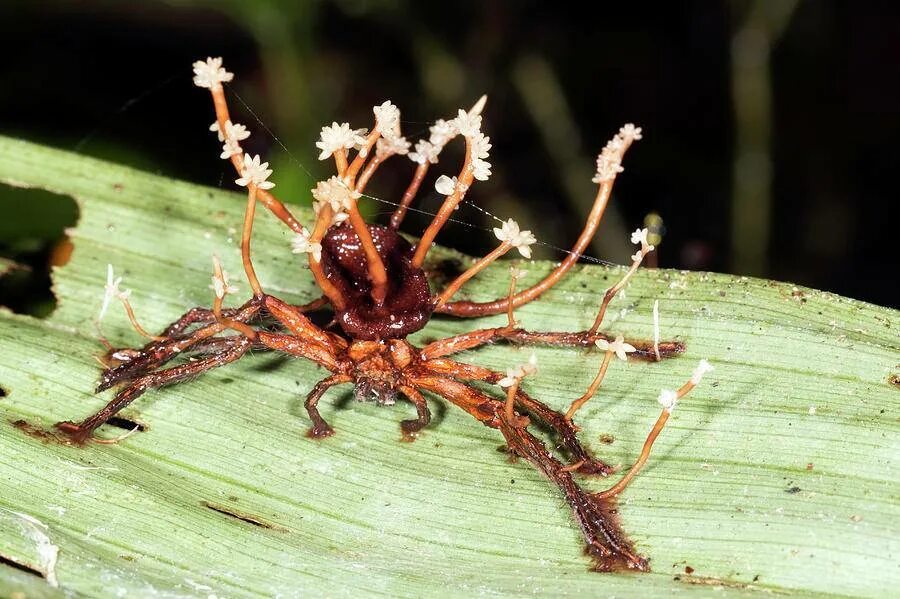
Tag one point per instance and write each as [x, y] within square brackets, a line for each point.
[771, 129]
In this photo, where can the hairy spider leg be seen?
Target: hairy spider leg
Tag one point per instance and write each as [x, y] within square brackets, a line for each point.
[606, 542]
[471, 309]
[583, 461]
[320, 427]
[81, 432]
[411, 427]
[175, 341]
[479, 337]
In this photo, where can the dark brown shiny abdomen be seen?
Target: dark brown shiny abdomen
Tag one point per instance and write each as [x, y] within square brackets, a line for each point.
[407, 307]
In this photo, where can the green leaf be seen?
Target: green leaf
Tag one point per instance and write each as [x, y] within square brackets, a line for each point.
[775, 475]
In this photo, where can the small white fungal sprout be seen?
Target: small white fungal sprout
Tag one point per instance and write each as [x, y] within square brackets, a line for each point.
[112, 290]
[388, 146]
[481, 169]
[445, 185]
[467, 123]
[234, 131]
[442, 132]
[336, 137]
[425, 152]
[517, 273]
[387, 119]
[221, 284]
[210, 74]
[618, 347]
[230, 148]
[702, 368]
[521, 240]
[667, 399]
[478, 107]
[255, 173]
[609, 162]
[302, 245]
[640, 236]
[336, 194]
[517, 373]
[480, 145]
[629, 132]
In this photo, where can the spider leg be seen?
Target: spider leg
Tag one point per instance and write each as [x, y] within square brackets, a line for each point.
[410, 428]
[538, 410]
[156, 353]
[81, 432]
[606, 543]
[479, 337]
[320, 428]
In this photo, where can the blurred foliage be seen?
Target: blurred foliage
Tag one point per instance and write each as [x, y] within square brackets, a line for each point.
[112, 79]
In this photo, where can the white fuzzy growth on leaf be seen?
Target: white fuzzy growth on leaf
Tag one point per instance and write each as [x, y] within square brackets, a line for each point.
[667, 399]
[112, 290]
[47, 553]
[221, 283]
[702, 368]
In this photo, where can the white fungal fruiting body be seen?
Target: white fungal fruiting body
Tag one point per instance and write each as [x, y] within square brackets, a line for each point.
[468, 124]
[667, 399]
[336, 194]
[111, 290]
[255, 173]
[618, 347]
[230, 148]
[339, 137]
[387, 119]
[388, 146]
[640, 236]
[609, 162]
[302, 245]
[517, 373]
[445, 185]
[521, 240]
[221, 283]
[210, 74]
[702, 368]
[233, 131]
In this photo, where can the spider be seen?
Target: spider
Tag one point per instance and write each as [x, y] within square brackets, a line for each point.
[373, 281]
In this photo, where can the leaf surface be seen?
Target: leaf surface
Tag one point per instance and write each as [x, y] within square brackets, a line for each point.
[777, 475]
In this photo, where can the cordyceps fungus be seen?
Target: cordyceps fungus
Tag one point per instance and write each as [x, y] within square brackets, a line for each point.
[373, 281]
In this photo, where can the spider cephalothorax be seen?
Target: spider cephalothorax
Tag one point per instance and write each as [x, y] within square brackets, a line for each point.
[373, 281]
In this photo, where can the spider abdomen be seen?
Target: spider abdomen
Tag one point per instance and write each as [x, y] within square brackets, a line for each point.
[407, 307]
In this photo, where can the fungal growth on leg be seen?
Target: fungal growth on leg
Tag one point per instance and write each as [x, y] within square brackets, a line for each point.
[372, 279]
